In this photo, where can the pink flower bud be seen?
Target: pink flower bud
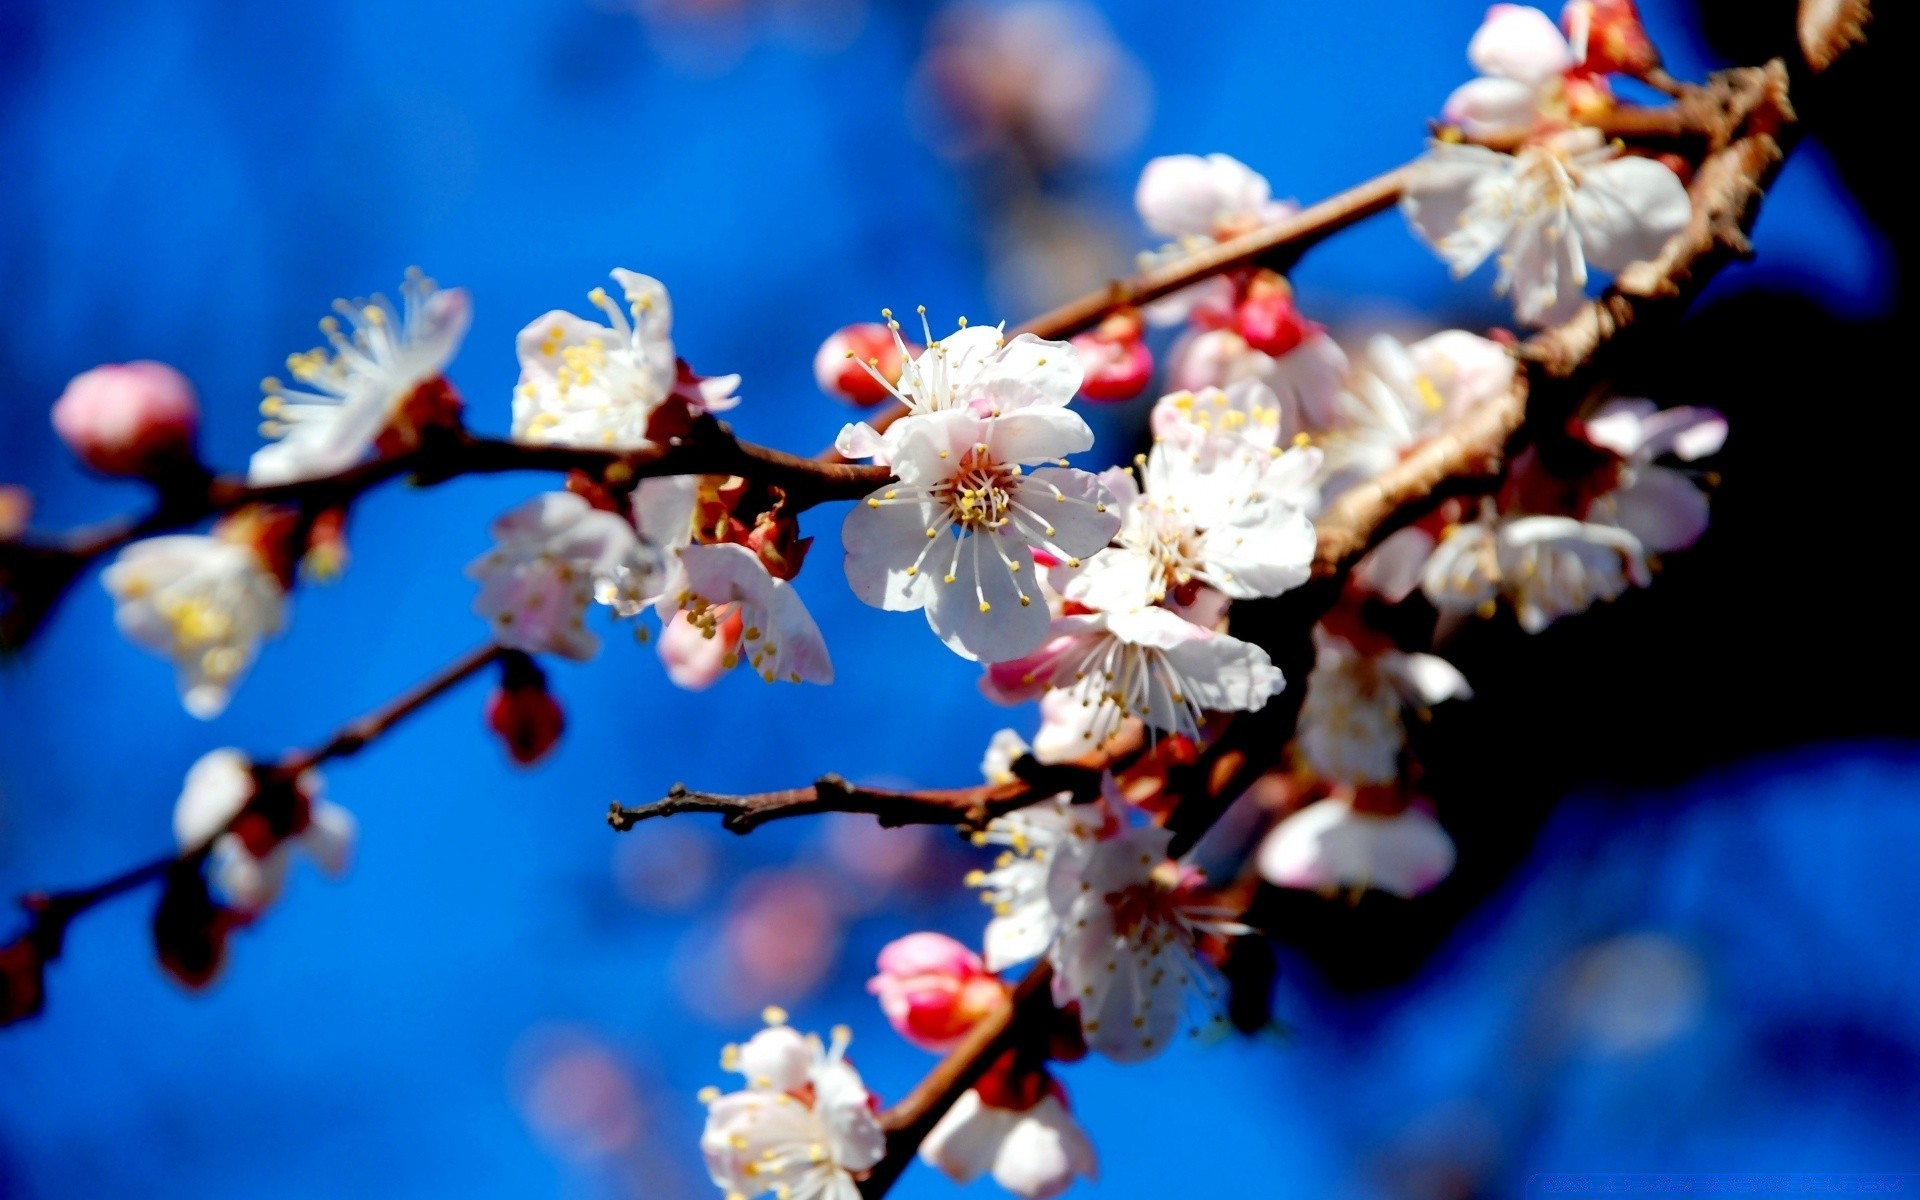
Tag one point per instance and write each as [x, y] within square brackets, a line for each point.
[523, 712]
[135, 418]
[933, 989]
[1117, 361]
[838, 369]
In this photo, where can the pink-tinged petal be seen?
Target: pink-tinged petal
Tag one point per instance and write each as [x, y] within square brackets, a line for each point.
[1491, 104]
[1687, 433]
[976, 610]
[1521, 43]
[1620, 426]
[884, 540]
[693, 660]
[1663, 508]
[440, 324]
[1467, 368]
[803, 650]
[1185, 195]
[1627, 208]
[1392, 570]
[860, 440]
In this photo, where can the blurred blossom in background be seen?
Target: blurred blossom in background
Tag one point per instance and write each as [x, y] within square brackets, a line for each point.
[1701, 959]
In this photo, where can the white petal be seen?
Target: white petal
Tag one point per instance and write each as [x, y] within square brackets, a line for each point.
[1521, 43]
[1429, 679]
[217, 787]
[883, 542]
[1392, 569]
[1073, 505]
[1627, 208]
[963, 1144]
[1460, 199]
[1491, 104]
[979, 614]
[330, 837]
[1043, 1152]
[1663, 508]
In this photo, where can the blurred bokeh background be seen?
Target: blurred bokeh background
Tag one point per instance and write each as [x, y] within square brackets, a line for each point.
[1682, 936]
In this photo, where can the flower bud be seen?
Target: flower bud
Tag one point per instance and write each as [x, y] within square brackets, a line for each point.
[433, 406]
[933, 989]
[1267, 318]
[134, 419]
[523, 712]
[837, 365]
[1115, 355]
[23, 969]
[1612, 38]
[189, 928]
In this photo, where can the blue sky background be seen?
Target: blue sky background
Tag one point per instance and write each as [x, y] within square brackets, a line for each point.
[1713, 976]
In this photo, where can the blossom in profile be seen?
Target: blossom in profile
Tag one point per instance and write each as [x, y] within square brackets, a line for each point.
[1334, 845]
[1548, 567]
[802, 1128]
[251, 840]
[205, 603]
[1563, 202]
[1522, 58]
[1150, 664]
[617, 384]
[714, 587]
[384, 362]
[1019, 1132]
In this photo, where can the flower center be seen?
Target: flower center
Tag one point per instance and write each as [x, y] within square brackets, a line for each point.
[979, 493]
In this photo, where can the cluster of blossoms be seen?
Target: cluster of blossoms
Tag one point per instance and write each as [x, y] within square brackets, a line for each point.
[1106, 597]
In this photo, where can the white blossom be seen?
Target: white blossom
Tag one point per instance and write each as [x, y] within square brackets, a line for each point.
[343, 401]
[1406, 395]
[1197, 201]
[1149, 664]
[713, 584]
[1307, 380]
[216, 789]
[1548, 567]
[1562, 202]
[1351, 728]
[1042, 841]
[584, 384]
[1660, 506]
[553, 556]
[1521, 55]
[802, 1128]
[1035, 1153]
[1213, 515]
[205, 603]
[1128, 948]
[956, 535]
[1331, 846]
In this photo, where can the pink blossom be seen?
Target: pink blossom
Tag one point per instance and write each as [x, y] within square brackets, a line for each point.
[136, 418]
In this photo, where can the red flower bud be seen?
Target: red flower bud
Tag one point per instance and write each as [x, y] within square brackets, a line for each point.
[1118, 363]
[838, 369]
[1616, 41]
[1267, 319]
[434, 405]
[135, 418]
[189, 928]
[23, 971]
[523, 712]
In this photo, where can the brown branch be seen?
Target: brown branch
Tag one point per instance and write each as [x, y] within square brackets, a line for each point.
[49, 913]
[39, 570]
[1828, 28]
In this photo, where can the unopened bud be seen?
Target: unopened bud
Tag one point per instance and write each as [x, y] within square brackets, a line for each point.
[1609, 38]
[189, 928]
[131, 419]
[1267, 319]
[1115, 355]
[933, 989]
[326, 557]
[849, 359]
[528, 720]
